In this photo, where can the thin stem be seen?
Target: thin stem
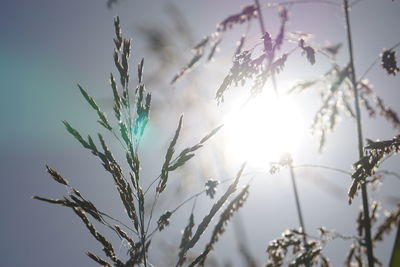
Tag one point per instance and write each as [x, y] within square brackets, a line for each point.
[394, 174]
[271, 58]
[142, 233]
[355, 2]
[366, 218]
[335, 235]
[121, 143]
[187, 200]
[174, 210]
[260, 16]
[299, 213]
[395, 46]
[322, 167]
[156, 196]
[143, 237]
[296, 2]
[118, 221]
[195, 196]
[151, 184]
[368, 69]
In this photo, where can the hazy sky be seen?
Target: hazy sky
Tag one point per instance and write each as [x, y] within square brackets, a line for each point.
[48, 46]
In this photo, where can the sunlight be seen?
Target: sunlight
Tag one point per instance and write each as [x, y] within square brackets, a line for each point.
[262, 130]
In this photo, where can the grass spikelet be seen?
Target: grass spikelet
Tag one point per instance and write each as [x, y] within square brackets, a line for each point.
[88, 98]
[187, 153]
[186, 236]
[196, 58]
[121, 57]
[98, 259]
[123, 187]
[140, 71]
[239, 45]
[117, 98]
[75, 202]
[349, 257]
[243, 68]
[211, 187]
[388, 113]
[118, 33]
[124, 134]
[57, 177]
[248, 12]
[374, 211]
[219, 229]
[301, 86]
[278, 65]
[74, 199]
[107, 247]
[207, 219]
[143, 110]
[76, 134]
[392, 219]
[359, 223]
[306, 255]
[389, 62]
[125, 236]
[214, 48]
[102, 117]
[168, 156]
[164, 220]
[268, 44]
[283, 15]
[278, 248]
[341, 75]
[51, 201]
[202, 44]
[367, 165]
[309, 51]
[198, 54]
[333, 50]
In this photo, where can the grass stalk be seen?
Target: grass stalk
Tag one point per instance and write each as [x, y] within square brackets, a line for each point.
[298, 206]
[271, 59]
[316, 166]
[366, 219]
[143, 239]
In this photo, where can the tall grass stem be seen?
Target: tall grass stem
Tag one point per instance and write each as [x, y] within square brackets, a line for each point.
[298, 206]
[367, 222]
[262, 28]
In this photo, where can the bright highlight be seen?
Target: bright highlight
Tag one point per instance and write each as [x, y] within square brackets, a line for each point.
[263, 129]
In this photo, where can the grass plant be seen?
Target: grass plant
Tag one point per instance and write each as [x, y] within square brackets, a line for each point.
[252, 68]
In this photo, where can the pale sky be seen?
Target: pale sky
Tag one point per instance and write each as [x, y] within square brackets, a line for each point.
[48, 46]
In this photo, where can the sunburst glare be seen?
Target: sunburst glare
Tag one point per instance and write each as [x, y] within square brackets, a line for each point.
[264, 128]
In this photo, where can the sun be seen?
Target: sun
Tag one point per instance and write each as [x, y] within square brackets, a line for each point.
[264, 128]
